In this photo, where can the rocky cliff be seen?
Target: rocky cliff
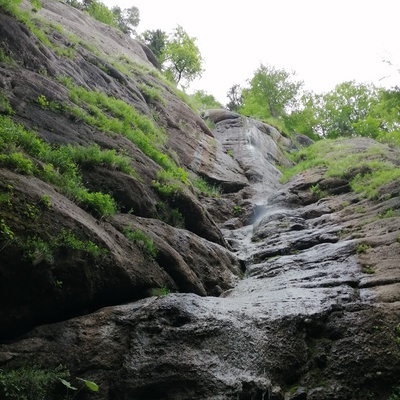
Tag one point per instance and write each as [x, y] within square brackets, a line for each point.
[114, 191]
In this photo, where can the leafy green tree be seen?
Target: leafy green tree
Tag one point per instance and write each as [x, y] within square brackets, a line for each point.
[100, 12]
[127, 19]
[348, 110]
[235, 98]
[306, 118]
[388, 110]
[182, 57]
[272, 93]
[155, 41]
[205, 100]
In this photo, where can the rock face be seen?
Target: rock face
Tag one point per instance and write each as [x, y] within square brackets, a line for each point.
[277, 293]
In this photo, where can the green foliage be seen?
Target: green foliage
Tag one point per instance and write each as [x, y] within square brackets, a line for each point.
[346, 111]
[58, 166]
[102, 13]
[203, 187]
[368, 270]
[272, 93]
[162, 291]
[10, 6]
[46, 201]
[86, 384]
[18, 162]
[30, 382]
[127, 19]
[31, 212]
[43, 102]
[36, 249]
[5, 231]
[396, 394]
[176, 218]
[151, 93]
[205, 101]
[155, 41]
[315, 189]
[235, 98]
[362, 248]
[6, 198]
[338, 159]
[169, 183]
[67, 239]
[4, 58]
[182, 57]
[237, 210]
[140, 238]
[110, 114]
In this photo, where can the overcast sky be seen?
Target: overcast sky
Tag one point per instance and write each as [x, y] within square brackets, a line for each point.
[325, 42]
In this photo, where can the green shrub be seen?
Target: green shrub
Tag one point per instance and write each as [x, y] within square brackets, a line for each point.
[237, 210]
[5, 106]
[59, 165]
[68, 239]
[338, 159]
[30, 382]
[203, 187]
[151, 93]
[5, 231]
[145, 243]
[37, 250]
[18, 162]
[162, 291]
[176, 218]
[102, 13]
[362, 248]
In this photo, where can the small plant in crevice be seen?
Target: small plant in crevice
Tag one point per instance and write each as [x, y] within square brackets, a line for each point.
[46, 201]
[43, 102]
[200, 185]
[237, 210]
[362, 248]
[316, 190]
[161, 291]
[144, 242]
[367, 269]
[176, 218]
[37, 250]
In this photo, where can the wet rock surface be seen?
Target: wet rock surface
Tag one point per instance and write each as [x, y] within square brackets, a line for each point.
[283, 294]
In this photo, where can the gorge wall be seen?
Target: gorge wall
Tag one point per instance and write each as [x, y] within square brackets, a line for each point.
[276, 291]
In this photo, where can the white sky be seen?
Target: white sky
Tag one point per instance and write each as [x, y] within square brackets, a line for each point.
[325, 42]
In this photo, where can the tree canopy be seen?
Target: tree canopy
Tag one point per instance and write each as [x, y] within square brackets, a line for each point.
[183, 61]
[272, 93]
[155, 40]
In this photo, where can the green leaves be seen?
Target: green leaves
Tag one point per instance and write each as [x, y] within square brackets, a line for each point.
[272, 93]
[182, 57]
[89, 384]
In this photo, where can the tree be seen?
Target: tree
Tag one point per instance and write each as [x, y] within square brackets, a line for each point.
[205, 100]
[127, 19]
[271, 93]
[348, 110]
[306, 117]
[156, 42]
[235, 98]
[182, 57]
